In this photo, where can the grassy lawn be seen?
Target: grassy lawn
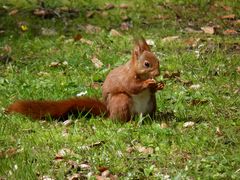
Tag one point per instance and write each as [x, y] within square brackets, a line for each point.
[48, 55]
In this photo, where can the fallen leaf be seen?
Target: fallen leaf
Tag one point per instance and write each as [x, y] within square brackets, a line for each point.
[230, 32]
[74, 177]
[238, 69]
[170, 38]
[195, 86]
[191, 30]
[86, 41]
[109, 6]
[227, 8]
[102, 168]
[45, 13]
[164, 125]
[123, 6]
[196, 102]
[97, 63]
[96, 85]
[85, 166]
[55, 64]
[67, 122]
[188, 124]
[144, 150]
[105, 173]
[65, 133]
[48, 32]
[83, 93]
[90, 14]
[77, 37]
[172, 75]
[91, 29]
[192, 42]
[125, 26]
[7, 49]
[62, 153]
[230, 16]
[219, 132]
[162, 17]
[9, 152]
[96, 144]
[150, 42]
[13, 12]
[114, 32]
[42, 73]
[208, 29]
[46, 178]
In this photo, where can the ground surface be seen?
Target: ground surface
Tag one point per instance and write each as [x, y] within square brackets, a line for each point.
[47, 54]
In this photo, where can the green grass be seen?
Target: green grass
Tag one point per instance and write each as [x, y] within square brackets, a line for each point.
[208, 150]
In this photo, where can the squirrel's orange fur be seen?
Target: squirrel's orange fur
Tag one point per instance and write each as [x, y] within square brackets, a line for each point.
[127, 90]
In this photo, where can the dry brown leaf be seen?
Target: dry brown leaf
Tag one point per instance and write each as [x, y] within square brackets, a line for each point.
[74, 177]
[164, 125]
[97, 63]
[109, 6]
[195, 86]
[227, 8]
[96, 85]
[62, 153]
[13, 12]
[91, 29]
[86, 41]
[238, 69]
[55, 64]
[105, 173]
[85, 166]
[67, 122]
[188, 124]
[9, 152]
[150, 42]
[102, 168]
[46, 178]
[90, 14]
[230, 32]
[172, 75]
[7, 49]
[125, 26]
[77, 37]
[48, 32]
[123, 6]
[162, 17]
[170, 38]
[219, 132]
[42, 73]
[208, 29]
[65, 133]
[192, 42]
[114, 32]
[45, 13]
[196, 102]
[229, 16]
[191, 30]
[144, 150]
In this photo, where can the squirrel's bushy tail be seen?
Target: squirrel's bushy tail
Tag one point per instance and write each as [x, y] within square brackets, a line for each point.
[58, 109]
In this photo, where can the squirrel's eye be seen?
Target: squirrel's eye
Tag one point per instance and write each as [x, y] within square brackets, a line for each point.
[147, 64]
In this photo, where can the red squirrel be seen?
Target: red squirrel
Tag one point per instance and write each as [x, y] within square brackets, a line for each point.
[128, 90]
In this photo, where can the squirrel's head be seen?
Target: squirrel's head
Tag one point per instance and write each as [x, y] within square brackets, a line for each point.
[146, 64]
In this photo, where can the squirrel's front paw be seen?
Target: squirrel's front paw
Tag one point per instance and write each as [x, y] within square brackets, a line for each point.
[160, 86]
[150, 83]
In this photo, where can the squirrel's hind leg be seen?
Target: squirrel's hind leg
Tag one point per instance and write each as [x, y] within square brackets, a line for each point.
[119, 107]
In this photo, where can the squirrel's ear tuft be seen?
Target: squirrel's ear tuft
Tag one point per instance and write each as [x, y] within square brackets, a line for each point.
[140, 46]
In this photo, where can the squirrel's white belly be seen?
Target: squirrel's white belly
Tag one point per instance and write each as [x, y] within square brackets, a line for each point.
[142, 102]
